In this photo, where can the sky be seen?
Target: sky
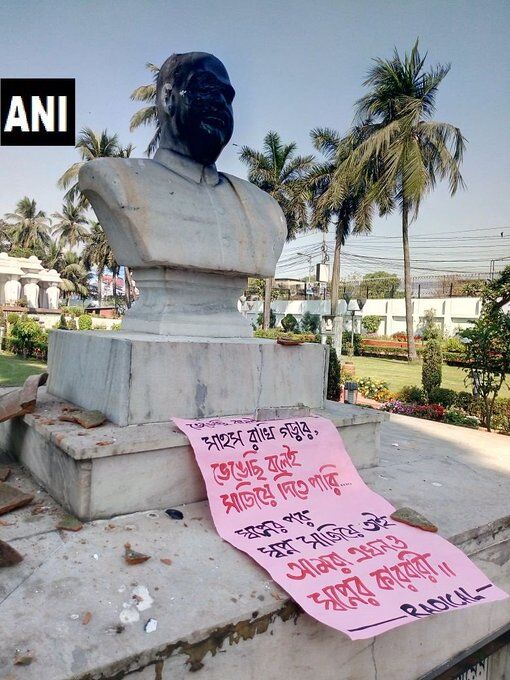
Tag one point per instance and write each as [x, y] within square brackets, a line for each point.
[295, 65]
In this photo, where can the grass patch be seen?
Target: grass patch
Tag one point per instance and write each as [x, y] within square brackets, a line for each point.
[14, 370]
[399, 373]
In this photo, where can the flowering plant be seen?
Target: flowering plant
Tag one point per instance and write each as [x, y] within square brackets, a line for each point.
[427, 411]
[373, 389]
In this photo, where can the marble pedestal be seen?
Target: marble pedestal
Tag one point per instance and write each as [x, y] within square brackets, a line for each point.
[136, 378]
[113, 470]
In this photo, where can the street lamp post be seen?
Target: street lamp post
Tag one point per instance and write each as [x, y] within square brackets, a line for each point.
[352, 307]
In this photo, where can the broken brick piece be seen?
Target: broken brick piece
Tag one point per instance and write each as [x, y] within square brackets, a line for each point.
[12, 498]
[86, 618]
[23, 659]
[4, 473]
[86, 419]
[166, 560]
[70, 523]
[413, 519]
[8, 556]
[133, 557]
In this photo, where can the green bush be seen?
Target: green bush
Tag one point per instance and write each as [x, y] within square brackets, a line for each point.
[12, 317]
[454, 345]
[289, 323]
[61, 325]
[272, 319]
[275, 333]
[333, 390]
[371, 323]
[455, 416]
[456, 359]
[430, 330]
[85, 322]
[432, 366]
[310, 323]
[443, 396]
[346, 343]
[501, 415]
[73, 311]
[28, 338]
[465, 401]
[412, 394]
[392, 352]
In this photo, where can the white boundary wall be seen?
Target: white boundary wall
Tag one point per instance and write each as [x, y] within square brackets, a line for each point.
[450, 314]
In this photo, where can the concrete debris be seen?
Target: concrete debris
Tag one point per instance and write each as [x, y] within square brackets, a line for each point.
[4, 473]
[23, 659]
[132, 556]
[413, 518]
[12, 498]
[70, 523]
[143, 600]
[8, 556]
[151, 626]
[21, 401]
[86, 419]
[129, 613]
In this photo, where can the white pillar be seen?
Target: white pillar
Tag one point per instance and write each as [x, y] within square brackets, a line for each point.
[12, 289]
[31, 291]
[53, 296]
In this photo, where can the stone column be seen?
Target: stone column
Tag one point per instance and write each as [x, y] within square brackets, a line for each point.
[50, 280]
[31, 290]
[12, 289]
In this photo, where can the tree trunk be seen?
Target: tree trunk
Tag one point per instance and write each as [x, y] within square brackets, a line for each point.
[114, 283]
[128, 285]
[99, 287]
[411, 347]
[267, 303]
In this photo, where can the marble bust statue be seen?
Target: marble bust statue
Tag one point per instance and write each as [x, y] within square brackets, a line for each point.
[191, 234]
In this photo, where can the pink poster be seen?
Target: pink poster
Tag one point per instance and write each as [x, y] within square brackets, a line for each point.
[287, 493]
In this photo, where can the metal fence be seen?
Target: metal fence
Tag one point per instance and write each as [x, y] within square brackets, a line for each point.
[450, 285]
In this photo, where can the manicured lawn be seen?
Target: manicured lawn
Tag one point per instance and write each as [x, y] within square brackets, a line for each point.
[14, 370]
[400, 373]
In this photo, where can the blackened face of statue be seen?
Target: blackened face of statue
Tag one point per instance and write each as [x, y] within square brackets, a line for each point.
[203, 110]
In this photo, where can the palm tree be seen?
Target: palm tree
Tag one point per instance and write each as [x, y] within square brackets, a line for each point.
[413, 151]
[98, 253]
[5, 241]
[70, 225]
[53, 255]
[74, 275]
[28, 228]
[148, 114]
[282, 174]
[91, 146]
[336, 198]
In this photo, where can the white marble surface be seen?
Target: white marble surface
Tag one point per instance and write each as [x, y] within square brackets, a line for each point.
[111, 469]
[143, 378]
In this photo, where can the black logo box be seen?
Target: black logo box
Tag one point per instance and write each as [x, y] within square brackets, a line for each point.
[26, 88]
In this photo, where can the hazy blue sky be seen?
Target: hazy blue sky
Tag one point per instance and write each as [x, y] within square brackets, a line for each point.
[295, 65]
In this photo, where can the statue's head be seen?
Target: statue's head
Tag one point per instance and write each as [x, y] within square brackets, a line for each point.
[194, 104]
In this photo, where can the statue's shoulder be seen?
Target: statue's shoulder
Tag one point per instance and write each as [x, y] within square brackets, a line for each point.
[248, 191]
[111, 178]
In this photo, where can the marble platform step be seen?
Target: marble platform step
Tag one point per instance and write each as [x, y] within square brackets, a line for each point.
[219, 614]
[113, 470]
